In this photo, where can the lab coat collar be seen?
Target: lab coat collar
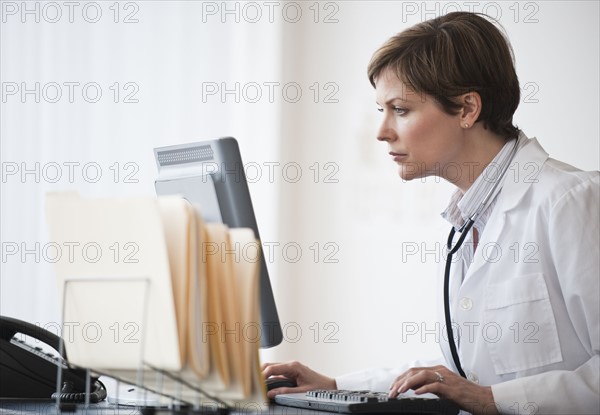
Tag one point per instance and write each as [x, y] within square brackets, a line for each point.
[522, 173]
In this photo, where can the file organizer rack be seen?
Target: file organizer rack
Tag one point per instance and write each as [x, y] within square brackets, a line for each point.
[190, 404]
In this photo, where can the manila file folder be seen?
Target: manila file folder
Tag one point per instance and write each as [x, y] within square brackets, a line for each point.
[154, 290]
[115, 289]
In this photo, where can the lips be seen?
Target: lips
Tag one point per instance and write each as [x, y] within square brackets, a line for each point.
[398, 156]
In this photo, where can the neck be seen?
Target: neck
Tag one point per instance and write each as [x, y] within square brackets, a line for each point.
[481, 146]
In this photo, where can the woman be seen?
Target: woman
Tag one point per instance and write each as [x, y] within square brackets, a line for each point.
[448, 90]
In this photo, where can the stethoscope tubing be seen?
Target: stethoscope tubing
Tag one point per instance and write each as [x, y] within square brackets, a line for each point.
[464, 231]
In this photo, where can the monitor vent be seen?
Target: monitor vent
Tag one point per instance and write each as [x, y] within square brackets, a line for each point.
[185, 155]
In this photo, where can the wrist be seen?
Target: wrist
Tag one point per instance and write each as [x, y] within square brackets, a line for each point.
[490, 405]
[333, 384]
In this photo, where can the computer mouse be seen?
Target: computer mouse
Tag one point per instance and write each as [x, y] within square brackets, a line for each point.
[275, 382]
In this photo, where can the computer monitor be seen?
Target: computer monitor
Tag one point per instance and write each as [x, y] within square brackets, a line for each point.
[211, 174]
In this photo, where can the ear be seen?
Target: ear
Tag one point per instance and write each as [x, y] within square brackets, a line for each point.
[471, 108]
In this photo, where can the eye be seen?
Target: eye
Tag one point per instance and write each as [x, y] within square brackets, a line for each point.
[380, 109]
[400, 110]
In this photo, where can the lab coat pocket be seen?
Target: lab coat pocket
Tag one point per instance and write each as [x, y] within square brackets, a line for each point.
[519, 326]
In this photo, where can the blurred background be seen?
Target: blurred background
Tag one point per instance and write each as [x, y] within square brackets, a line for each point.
[90, 88]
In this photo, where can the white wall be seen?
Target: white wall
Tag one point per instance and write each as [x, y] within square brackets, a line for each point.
[370, 214]
[350, 312]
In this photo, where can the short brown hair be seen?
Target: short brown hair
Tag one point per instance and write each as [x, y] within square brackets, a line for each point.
[454, 54]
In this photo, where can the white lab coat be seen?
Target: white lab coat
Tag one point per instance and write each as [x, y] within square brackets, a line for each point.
[529, 306]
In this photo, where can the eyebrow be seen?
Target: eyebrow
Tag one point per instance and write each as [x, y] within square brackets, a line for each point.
[393, 99]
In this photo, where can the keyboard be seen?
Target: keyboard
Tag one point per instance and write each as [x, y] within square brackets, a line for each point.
[362, 402]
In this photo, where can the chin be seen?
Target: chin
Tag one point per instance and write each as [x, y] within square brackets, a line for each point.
[408, 172]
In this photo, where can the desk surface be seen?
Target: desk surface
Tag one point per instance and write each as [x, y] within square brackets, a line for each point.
[15, 407]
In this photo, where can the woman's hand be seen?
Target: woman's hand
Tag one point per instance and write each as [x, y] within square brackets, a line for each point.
[305, 378]
[444, 383]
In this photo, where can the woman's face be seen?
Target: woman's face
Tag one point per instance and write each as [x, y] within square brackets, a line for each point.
[422, 138]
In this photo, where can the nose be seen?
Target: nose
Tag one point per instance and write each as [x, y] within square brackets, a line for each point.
[386, 131]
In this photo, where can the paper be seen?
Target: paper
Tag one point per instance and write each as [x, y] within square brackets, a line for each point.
[117, 282]
[153, 287]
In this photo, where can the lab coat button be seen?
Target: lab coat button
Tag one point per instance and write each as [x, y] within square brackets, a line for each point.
[466, 303]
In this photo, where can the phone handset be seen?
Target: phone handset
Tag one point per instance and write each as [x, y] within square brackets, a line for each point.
[9, 327]
[28, 372]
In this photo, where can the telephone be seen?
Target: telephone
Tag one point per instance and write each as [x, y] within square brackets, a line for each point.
[27, 372]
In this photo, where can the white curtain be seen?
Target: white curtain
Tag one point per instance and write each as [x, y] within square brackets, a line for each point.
[102, 96]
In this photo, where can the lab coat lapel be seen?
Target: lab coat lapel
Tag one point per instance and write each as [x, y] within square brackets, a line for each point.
[520, 175]
[522, 172]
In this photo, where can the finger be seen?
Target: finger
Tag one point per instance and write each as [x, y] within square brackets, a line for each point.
[399, 379]
[410, 372]
[417, 369]
[402, 378]
[266, 365]
[417, 380]
[393, 393]
[280, 391]
[398, 383]
[279, 369]
[436, 388]
[398, 387]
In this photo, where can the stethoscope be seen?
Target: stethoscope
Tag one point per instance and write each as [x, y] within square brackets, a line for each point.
[464, 231]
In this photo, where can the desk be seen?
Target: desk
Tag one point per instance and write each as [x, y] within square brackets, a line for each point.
[23, 407]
